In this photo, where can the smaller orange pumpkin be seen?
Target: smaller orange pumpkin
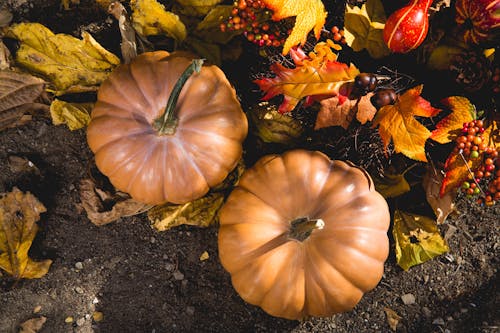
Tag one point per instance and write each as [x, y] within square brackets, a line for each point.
[166, 128]
[302, 235]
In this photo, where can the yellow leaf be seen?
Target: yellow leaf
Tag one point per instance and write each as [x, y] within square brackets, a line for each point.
[201, 212]
[197, 7]
[417, 239]
[204, 256]
[150, 18]
[310, 14]
[462, 111]
[18, 215]
[391, 185]
[70, 64]
[397, 122]
[363, 28]
[75, 115]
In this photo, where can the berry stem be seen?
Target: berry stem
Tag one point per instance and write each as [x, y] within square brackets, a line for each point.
[460, 152]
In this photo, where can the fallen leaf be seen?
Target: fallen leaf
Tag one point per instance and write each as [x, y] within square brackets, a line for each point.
[309, 15]
[417, 239]
[18, 164]
[392, 318]
[442, 205]
[4, 56]
[458, 169]
[200, 212]
[128, 44]
[363, 28]
[149, 17]
[207, 50]
[316, 75]
[18, 215]
[208, 29]
[32, 325]
[5, 17]
[391, 185]
[397, 122]
[197, 7]
[204, 256]
[94, 201]
[70, 64]
[74, 115]
[462, 111]
[272, 126]
[335, 113]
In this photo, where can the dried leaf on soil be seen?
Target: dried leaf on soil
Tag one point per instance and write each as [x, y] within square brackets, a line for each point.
[391, 185]
[363, 28]
[18, 215]
[70, 64]
[417, 239]
[74, 115]
[272, 126]
[462, 111]
[397, 122]
[310, 14]
[201, 212]
[442, 205]
[335, 113]
[149, 17]
[392, 318]
[458, 169]
[4, 56]
[128, 44]
[32, 325]
[95, 202]
[18, 164]
[317, 75]
[5, 17]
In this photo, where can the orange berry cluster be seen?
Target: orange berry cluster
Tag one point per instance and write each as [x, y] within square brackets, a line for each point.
[473, 146]
[338, 35]
[253, 18]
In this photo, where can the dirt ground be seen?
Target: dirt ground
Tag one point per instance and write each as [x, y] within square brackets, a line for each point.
[145, 281]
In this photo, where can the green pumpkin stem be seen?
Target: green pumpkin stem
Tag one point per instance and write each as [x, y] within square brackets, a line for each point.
[301, 228]
[167, 122]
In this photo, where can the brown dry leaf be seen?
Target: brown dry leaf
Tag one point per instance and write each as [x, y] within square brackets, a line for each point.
[442, 205]
[272, 126]
[392, 318]
[18, 164]
[4, 56]
[94, 200]
[32, 325]
[200, 212]
[18, 215]
[127, 31]
[5, 17]
[334, 113]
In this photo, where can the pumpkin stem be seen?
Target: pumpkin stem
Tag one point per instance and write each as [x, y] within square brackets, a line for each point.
[167, 122]
[301, 228]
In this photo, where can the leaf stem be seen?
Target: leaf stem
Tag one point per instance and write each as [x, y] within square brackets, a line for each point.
[167, 122]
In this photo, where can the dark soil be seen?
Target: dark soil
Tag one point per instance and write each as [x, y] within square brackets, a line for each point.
[146, 281]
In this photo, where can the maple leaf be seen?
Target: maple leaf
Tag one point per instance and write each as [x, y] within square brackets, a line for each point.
[310, 14]
[397, 122]
[18, 215]
[457, 168]
[335, 113]
[316, 75]
[462, 111]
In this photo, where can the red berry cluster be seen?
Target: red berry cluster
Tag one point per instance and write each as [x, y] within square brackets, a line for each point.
[486, 176]
[253, 18]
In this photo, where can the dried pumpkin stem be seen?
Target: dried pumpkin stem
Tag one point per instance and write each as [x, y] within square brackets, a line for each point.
[167, 122]
[301, 228]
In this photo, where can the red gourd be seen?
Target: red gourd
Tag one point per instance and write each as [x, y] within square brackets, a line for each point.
[407, 27]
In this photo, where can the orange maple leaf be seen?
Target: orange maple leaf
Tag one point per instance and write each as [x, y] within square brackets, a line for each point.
[310, 14]
[462, 111]
[398, 122]
[335, 113]
[457, 170]
[318, 74]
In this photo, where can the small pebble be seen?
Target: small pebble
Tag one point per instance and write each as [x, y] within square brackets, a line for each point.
[152, 240]
[449, 318]
[37, 309]
[95, 300]
[190, 310]
[68, 320]
[80, 321]
[464, 310]
[178, 276]
[98, 316]
[169, 267]
[87, 316]
[438, 321]
[408, 299]
[79, 290]
[427, 312]
[79, 265]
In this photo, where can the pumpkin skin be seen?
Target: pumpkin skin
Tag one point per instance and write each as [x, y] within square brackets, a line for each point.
[329, 271]
[179, 167]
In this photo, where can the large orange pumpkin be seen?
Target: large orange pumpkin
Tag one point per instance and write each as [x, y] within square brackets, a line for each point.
[176, 158]
[302, 235]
